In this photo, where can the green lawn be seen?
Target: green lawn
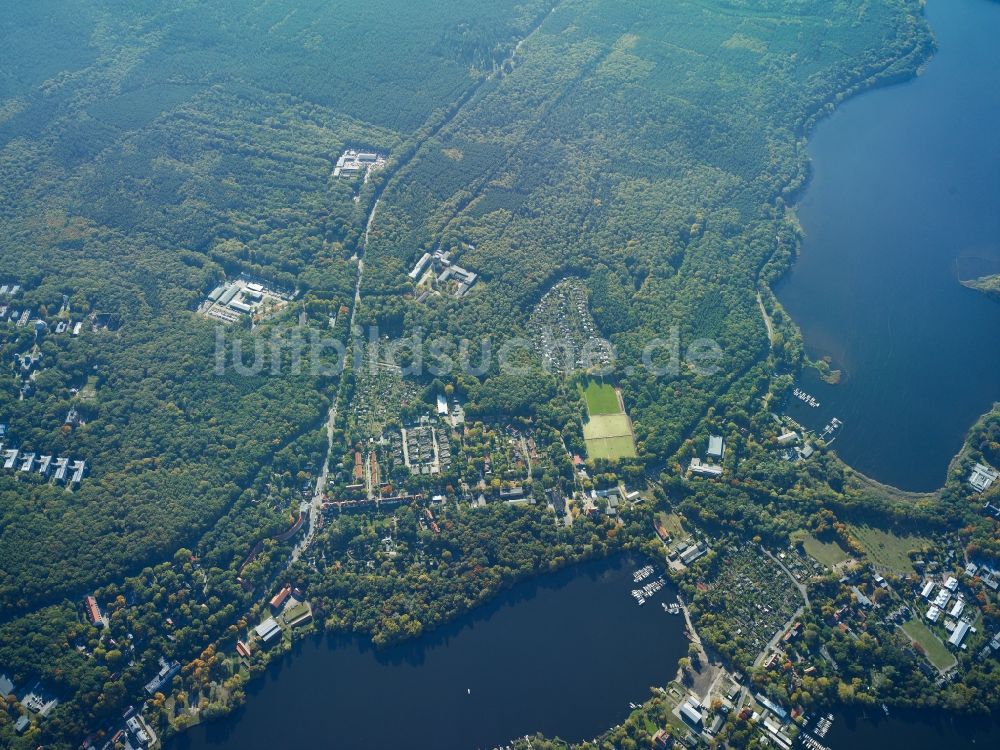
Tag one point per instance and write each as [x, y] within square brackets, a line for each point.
[608, 431]
[672, 523]
[888, 550]
[601, 398]
[89, 390]
[937, 653]
[607, 425]
[296, 611]
[609, 436]
[612, 448]
[829, 554]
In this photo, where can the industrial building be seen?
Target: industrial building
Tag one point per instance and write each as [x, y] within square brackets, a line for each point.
[352, 162]
[230, 301]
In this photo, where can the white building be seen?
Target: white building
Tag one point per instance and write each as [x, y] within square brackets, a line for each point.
[960, 630]
[690, 711]
[705, 470]
[716, 447]
[982, 477]
[268, 630]
[419, 268]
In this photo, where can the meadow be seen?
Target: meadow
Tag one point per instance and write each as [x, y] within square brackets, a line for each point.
[829, 554]
[608, 430]
[937, 653]
[888, 550]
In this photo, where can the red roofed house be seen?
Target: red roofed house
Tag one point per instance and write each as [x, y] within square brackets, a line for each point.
[93, 611]
[281, 597]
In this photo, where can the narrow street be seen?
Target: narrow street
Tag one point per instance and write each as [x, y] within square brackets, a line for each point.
[314, 507]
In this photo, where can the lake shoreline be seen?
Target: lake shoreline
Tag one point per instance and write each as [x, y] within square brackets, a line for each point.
[450, 665]
[862, 218]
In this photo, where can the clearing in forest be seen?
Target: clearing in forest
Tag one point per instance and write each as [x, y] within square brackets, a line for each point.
[829, 554]
[601, 398]
[608, 430]
[888, 550]
[937, 653]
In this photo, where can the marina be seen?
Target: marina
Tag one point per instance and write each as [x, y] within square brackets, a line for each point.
[805, 398]
[641, 595]
[823, 726]
[671, 609]
[829, 433]
[642, 573]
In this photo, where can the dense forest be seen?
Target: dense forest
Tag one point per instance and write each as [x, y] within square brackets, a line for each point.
[150, 151]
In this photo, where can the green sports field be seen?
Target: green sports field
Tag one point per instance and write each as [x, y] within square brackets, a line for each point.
[608, 432]
[611, 448]
[601, 398]
[937, 653]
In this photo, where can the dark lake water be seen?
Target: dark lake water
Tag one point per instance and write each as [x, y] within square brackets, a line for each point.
[564, 655]
[913, 730]
[905, 195]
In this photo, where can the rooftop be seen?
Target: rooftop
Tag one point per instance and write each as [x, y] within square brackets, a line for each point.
[982, 477]
[267, 629]
[716, 446]
[960, 630]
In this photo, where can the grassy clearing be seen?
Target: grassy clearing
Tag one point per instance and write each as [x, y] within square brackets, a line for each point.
[829, 554]
[888, 550]
[672, 523]
[609, 436]
[937, 653]
[607, 426]
[608, 431]
[601, 398]
[89, 390]
[612, 448]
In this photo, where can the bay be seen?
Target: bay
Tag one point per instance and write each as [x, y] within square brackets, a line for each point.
[905, 196]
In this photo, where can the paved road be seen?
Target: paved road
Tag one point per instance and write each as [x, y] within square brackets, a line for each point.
[315, 506]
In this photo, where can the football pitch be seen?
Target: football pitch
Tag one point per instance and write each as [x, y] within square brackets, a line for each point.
[608, 432]
[601, 398]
